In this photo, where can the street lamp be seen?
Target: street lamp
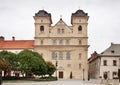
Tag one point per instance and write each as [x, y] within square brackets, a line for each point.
[56, 64]
[83, 74]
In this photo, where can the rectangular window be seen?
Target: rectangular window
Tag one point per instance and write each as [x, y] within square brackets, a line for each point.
[61, 42]
[58, 30]
[115, 75]
[80, 42]
[54, 42]
[79, 66]
[62, 30]
[68, 65]
[67, 42]
[114, 63]
[41, 42]
[79, 56]
[71, 30]
[105, 62]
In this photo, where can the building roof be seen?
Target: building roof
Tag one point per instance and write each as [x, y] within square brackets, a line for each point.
[79, 13]
[93, 56]
[43, 13]
[114, 49]
[16, 44]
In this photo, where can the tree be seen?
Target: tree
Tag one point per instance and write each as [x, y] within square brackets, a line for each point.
[41, 66]
[70, 75]
[31, 63]
[119, 74]
[8, 59]
[50, 68]
[4, 65]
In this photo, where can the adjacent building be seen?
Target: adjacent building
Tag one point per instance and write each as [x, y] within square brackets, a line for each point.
[15, 45]
[66, 46]
[105, 64]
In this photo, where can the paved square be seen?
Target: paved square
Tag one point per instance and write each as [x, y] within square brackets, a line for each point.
[60, 82]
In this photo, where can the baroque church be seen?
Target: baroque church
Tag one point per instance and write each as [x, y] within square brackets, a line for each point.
[65, 46]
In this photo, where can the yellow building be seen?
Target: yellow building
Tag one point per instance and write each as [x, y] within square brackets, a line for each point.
[66, 46]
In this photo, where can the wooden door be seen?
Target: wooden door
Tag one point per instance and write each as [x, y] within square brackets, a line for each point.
[60, 74]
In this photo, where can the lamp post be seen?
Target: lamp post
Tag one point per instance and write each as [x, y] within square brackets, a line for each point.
[56, 64]
[83, 74]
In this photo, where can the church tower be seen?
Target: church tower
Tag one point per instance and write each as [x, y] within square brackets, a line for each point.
[42, 23]
[79, 21]
[62, 44]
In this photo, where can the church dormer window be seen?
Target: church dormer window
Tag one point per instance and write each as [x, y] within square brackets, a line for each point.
[42, 28]
[62, 30]
[58, 30]
[80, 28]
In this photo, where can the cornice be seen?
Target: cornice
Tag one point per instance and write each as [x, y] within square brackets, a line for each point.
[62, 37]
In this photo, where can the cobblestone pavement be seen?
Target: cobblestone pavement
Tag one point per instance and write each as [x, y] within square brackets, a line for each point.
[60, 82]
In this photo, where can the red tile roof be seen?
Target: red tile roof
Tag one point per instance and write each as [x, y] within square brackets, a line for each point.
[16, 44]
[93, 56]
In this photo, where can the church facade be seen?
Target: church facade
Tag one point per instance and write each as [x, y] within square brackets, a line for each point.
[65, 46]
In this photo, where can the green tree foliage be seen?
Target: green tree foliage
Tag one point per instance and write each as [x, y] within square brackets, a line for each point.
[31, 62]
[4, 65]
[50, 68]
[27, 62]
[8, 61]
[70, 75]
[41, 68]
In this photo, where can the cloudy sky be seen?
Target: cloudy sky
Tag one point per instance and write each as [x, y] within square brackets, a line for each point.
[16, 19]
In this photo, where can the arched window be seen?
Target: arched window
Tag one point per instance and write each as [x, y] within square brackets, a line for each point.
[60, 55]
[41, 28]
[80, 28]
[68, 55]
[54, 55]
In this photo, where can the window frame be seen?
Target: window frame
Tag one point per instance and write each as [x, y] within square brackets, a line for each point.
[41, 28]
[104, 62]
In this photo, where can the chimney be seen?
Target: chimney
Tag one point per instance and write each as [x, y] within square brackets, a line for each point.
[13, 38]
[112, 43]
[1, 38]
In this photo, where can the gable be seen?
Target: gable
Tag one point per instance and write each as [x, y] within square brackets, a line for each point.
[61, 27]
